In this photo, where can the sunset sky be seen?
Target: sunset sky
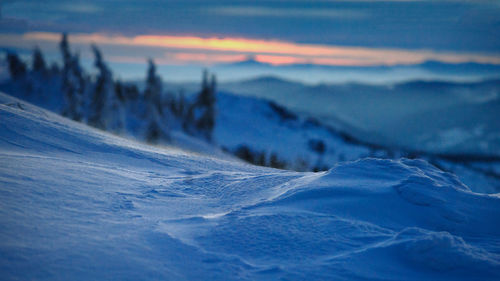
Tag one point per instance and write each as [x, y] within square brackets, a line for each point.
[353, 33]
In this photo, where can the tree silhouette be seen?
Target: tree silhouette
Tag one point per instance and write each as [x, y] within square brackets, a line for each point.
[152, 99]
[73, 82]
[201, 114]
[17, 68]
[39, 64]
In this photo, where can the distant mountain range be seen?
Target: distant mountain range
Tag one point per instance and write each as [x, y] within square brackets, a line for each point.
[328, 74]
[377, 74]
[434, 116]
[433, 66]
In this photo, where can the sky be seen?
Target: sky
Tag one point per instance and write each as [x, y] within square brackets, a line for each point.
[188, 32]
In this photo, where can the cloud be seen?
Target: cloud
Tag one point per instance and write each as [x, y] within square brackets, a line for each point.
[207, 58]
[213, 49]
[460, 25]
[279, 60]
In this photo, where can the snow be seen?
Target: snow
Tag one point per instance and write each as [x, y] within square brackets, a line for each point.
[81, 204]
[248, 125]
[253, 122]
[429, 116]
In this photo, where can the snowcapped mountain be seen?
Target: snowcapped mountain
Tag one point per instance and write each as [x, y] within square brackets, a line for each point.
[257, 130]
[430, 116]
[378, 74]
[266, 128]
[80, 204]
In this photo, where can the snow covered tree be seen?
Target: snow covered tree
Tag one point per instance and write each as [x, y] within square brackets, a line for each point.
[152, 100]
[17, 68]
[105, 110]
[73, 82]
[20, 77]
[39, 64]
[275, 162]
[153, 84]
[54, 69]
[120, 91]
[201, 114]
[180, 105]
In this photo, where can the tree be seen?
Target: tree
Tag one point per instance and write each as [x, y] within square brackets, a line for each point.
[106, 109]
[54, 69]
[101, 89]
[201, 114]
[120, 91]
[17, 68]
[275, 162]
[153, 85]
[181, 105]
[39, 64]
[73, 82]
[152, 100]
[66, 54]
[20, 76]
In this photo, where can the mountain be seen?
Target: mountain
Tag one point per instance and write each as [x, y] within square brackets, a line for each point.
[80, 204]
[377, 74]
[461, 68]
[372, 112]
[437, 67]
[265, 129]
[251, 62]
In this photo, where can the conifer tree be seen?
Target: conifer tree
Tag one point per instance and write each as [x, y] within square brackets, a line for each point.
[120, 91]
[153, 85]
[98, 98]
[201, 114]
[17, 68]
[181, 105]
[39, 64]
[152, 100]
[73, 82]
[105, 107]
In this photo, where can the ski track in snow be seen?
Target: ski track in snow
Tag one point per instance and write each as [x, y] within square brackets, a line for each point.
[80, 204]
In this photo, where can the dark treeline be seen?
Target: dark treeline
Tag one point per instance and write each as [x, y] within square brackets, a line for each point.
[109, 104]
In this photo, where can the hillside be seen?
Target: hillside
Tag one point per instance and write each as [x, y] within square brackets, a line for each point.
[256, 129]
[266, 133]
[81, 204]
[401, 114]
[265, 128]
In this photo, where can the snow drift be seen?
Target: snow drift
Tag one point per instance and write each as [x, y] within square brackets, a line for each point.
[80, 204]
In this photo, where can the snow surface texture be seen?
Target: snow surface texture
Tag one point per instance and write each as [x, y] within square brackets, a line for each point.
[80, 204]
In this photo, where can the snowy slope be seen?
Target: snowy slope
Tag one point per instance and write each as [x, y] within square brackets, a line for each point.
[266, 127]
[432, 116]
[80, 204]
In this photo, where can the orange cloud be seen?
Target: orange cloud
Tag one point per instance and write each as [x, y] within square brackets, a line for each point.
[270, 51]
[279, 60]
[207, 58]
[232, 44]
